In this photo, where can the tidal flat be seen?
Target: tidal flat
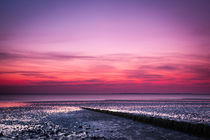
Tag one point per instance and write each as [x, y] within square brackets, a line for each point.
[67, 120]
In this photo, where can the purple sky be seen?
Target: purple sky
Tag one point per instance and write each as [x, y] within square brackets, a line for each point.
[104, 46]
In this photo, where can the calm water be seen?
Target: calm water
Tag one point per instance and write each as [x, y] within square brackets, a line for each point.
[24, 98]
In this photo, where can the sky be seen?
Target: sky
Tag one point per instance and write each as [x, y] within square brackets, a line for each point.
[106, 46]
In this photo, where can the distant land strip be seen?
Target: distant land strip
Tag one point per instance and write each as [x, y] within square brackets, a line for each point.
[187, 127]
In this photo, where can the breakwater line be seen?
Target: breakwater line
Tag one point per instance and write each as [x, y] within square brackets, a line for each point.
[198, 129]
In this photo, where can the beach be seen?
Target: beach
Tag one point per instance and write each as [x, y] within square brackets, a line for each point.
[67, 120]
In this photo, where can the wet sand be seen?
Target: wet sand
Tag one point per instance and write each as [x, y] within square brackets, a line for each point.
[35, 122]
[103, 126]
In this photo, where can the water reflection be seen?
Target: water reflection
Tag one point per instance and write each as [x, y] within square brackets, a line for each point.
[197, 112]
[61, 109]
[15, 116]
[12, 104]
[18, 116]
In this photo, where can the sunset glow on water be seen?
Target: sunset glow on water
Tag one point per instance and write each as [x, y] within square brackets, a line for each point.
[62, 109]
[32, 115]
[12, 104]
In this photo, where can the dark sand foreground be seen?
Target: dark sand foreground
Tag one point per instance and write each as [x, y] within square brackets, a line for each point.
[90, 125]
[79, 124]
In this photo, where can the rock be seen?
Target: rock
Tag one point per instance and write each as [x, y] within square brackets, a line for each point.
[1, 134]
[52, 133]
[65, 134]
[60, 134]
[61, 138]
[56, 126]
[80, 126]
[57, 131]
[45, 135]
